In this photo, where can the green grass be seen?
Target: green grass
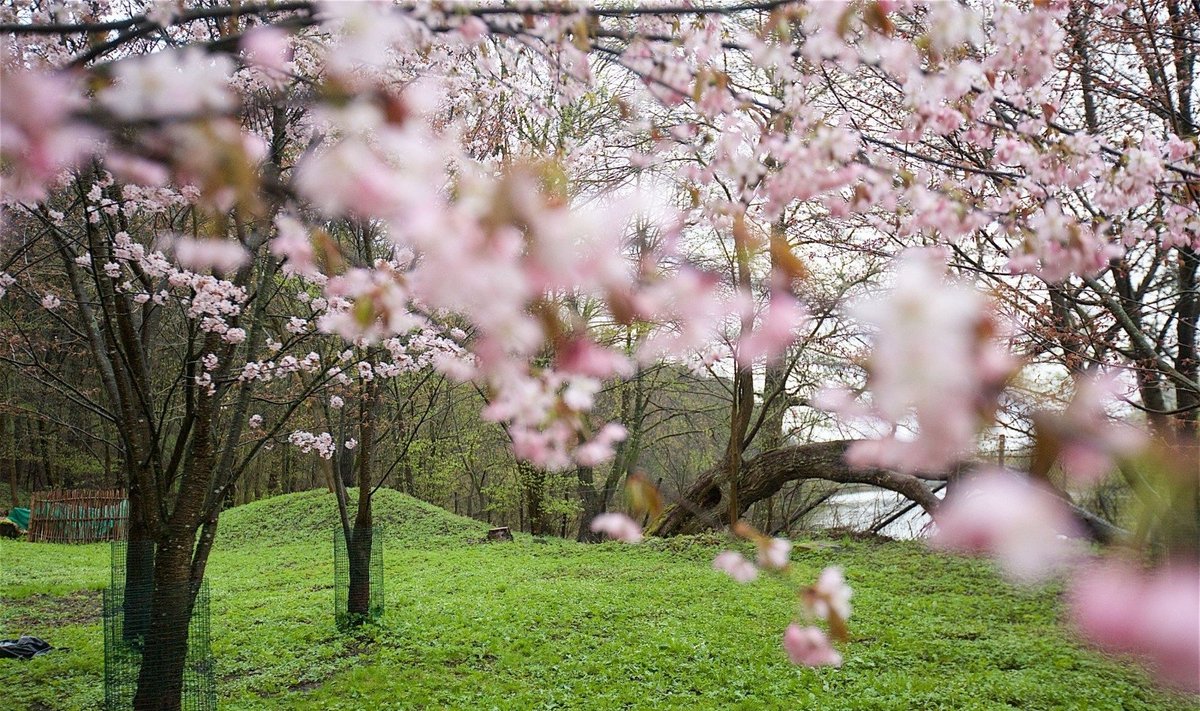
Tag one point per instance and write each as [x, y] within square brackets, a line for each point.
[545, 625]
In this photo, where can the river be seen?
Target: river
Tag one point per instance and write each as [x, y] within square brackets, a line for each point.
[858, 508]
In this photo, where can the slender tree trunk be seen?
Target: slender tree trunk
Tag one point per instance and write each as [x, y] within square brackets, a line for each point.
[358, 551]
[139, 568]
[1187, 361]
[534, 484]
[361, 536]
[591, 501]
[742, 404]
[47, 460]
[410, 484]
[160, 680]
[14, 497]
[9, 462]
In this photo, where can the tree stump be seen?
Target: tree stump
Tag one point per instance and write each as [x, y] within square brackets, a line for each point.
[8, 529]
[500, 534]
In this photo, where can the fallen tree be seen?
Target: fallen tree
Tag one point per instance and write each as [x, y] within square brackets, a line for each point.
[700, 506]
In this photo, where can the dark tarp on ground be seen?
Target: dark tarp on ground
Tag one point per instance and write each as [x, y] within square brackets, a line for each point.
[23, 648]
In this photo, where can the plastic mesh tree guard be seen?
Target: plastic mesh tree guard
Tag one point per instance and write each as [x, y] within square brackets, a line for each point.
[133, 562]
[125, 648]
[357, 576]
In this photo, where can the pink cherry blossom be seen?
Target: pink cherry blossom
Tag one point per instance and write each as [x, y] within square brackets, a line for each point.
[163, 12]
[774, 553]
[190, 82]
[1057, 245]
[202, 254]
[1090, 438]
[582, 356]
[321, 443]
[600, 448]
[1154, 615]
[775, 331]
[1003, 514]
[808, 646]
[618, 526]
[830, 596]
[133, 169]
[292, 244]
[736, 566]
[934, 364]
[38, 137]
[267, 48]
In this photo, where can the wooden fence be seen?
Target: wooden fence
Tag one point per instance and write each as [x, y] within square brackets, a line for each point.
[78, 516]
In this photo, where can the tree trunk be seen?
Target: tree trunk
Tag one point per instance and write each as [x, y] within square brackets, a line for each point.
[764, 475]
[361, 538]
[358, 551]
[534, 481]
[44, 449]
[9, 443]
[592, 502]
[14, 497]
[742, 402]
[160, 679]
[1187, 361]
[139, 569]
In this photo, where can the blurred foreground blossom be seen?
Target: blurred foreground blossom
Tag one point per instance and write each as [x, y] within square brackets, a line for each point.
[830, 597]
[202, 254]
[774, 553]
[187, 83]
[618, 526]
[38, 136]
[935, 362]
[1086, 440]
[1123, 609]
[1005, 515]
[808, 646]
[736, 566]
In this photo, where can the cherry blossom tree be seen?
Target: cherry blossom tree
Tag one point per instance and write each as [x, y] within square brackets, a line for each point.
[1039, 207]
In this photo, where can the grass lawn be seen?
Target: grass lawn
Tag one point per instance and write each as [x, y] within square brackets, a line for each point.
[554, 624]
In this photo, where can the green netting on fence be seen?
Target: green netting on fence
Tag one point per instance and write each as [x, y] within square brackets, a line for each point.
[78, 516]
[357, 577]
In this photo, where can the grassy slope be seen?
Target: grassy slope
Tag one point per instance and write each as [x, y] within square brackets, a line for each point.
[560, 625]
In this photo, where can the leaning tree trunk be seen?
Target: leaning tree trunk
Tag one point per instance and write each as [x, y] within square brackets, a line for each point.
[764, 475]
